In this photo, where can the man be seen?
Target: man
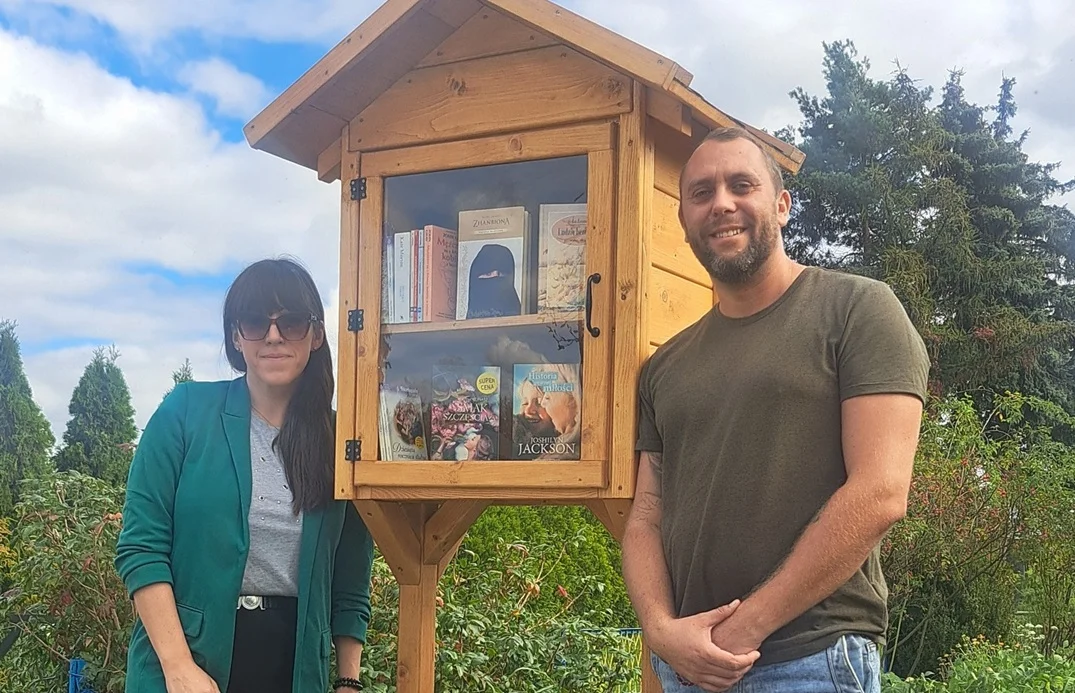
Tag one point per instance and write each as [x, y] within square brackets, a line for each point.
[776, 437]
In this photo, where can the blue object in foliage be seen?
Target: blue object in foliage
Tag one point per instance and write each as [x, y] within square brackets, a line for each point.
[74, 677]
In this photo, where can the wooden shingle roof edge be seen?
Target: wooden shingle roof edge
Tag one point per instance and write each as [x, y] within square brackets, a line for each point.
[299, 127]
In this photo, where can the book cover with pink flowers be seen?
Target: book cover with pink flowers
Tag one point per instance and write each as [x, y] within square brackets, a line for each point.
[465, 413]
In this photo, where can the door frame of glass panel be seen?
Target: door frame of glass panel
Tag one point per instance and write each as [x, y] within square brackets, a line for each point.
[517, 478]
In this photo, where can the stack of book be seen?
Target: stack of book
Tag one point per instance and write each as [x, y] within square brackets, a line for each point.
[484, 268]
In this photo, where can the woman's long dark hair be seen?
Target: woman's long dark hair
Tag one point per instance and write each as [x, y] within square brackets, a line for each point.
[306, 443]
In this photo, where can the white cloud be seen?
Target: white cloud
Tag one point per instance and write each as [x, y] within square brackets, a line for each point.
[144, 22]
[101, 180]
[236, 93]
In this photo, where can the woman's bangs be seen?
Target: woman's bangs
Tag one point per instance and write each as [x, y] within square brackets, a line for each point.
[267, 288]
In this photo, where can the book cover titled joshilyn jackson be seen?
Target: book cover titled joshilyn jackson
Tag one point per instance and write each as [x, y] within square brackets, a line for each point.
[546, 412]
[465, 413]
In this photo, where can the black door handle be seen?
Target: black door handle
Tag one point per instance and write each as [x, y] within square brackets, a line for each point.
[590, 281]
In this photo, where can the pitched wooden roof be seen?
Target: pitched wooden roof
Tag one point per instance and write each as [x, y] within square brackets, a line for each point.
[308, 118]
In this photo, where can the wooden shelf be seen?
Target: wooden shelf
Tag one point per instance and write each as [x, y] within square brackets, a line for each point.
[483, 323]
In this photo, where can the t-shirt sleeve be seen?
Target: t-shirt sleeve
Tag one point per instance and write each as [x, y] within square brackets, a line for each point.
[649, 439]
[880, 351]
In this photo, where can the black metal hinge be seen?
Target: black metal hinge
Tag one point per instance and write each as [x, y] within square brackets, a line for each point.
[355, 320]
[358, 189]
[353, 450]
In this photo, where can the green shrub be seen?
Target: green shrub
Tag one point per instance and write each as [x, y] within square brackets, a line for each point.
[65, 595]
[987, 532]
[492, 635]
[979, 665]
[591, 570]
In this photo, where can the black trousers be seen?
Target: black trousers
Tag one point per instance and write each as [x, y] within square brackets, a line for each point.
[263, 656]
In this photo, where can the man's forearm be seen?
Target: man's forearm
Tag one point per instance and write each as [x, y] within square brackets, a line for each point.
[645, 575]
[155, 605]
[827, 554]
[348, 656]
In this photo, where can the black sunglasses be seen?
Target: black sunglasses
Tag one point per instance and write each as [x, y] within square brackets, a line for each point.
[292, 326]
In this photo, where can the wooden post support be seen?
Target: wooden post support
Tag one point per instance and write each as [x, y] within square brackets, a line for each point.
[418, 540]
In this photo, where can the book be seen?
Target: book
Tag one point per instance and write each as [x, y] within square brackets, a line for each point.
[403, 250]
[465, 413]
[546, 411]
[562, 258]
[492, 263]
[401, 427]
[388, 278]
[439, 272]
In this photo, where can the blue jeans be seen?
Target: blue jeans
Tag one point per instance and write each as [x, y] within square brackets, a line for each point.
[851, 665]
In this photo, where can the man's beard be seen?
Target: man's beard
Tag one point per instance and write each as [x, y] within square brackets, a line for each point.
[738, 268]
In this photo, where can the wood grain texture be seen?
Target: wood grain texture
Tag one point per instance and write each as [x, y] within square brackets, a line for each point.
[675, 303]
[368, 381]
[328, 162]
[668, 110]
[498, 495]
[346, 342]
[785, 154]
[597, 365]
[453, 12]
[392, 56]
[569, 140]
[486, 475]
[542, 87]
[612, 514]
[670, 251]
[395, 536]
[416, 653]
[632, 201]
[594, 40]
[341, 56]
[671, 150]
[485, 34]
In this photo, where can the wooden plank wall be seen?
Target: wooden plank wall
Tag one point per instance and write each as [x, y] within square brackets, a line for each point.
[680, 291]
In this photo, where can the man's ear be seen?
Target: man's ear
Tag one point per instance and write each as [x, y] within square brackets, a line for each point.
[783, 207]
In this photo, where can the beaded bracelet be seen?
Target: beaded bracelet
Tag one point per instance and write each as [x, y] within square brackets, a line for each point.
[353, 684]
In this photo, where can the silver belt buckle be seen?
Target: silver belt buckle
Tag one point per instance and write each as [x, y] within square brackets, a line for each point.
[251, 602]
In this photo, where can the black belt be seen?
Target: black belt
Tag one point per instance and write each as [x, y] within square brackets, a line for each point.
[256, 603]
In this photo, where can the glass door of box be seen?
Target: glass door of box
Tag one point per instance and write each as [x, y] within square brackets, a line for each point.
[491, 367]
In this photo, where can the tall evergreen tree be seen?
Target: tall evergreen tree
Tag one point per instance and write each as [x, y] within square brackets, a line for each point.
[26, 439]
[184, 374]
[99, 439]
[941, 202]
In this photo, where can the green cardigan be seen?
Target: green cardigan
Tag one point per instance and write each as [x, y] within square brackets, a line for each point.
[185, 523]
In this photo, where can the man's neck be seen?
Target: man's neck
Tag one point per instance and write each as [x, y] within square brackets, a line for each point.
[761, 291]
[269, 402]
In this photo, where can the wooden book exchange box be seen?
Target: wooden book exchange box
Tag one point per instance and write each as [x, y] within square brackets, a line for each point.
[510, 253]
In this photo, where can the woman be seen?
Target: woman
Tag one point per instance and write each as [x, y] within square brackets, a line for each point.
[242, 567]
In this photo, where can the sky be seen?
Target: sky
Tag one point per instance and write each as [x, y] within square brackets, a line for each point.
[129, 199]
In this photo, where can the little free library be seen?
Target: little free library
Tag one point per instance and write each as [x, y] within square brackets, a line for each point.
[510, 254]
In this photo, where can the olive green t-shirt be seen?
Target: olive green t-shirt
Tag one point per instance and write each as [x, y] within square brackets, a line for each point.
[746, 414]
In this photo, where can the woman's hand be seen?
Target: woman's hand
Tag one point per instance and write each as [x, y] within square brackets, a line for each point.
[189, 678]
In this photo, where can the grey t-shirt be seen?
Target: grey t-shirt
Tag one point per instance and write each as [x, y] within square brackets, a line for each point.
[272, 566]
[747, 415]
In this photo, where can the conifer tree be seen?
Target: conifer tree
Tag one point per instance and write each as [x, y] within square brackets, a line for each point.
[26, 438]
[99, 439]
[940, 201]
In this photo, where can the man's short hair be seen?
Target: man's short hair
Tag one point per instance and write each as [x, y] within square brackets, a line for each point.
[728, 134]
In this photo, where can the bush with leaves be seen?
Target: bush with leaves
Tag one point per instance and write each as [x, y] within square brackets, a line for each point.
[992, 497]
[492, 636]
[591, 569]
[980, 665]
[66, 597]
